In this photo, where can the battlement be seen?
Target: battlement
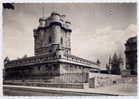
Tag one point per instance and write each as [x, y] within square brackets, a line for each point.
[55, 18]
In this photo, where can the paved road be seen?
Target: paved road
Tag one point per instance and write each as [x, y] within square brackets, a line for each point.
[31, 92]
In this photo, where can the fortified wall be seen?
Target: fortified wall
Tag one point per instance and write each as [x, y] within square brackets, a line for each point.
[97, 80]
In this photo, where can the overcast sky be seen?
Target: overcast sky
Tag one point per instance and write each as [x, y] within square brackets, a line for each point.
[98, 30]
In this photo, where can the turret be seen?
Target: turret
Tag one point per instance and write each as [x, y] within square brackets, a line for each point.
[42, 22]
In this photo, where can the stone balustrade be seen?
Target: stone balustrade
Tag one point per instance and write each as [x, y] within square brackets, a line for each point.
[79, 60]
[30, 60]
[46, 58]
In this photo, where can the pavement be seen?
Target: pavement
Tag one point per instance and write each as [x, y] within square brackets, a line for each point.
[42, 92]
[120, 89]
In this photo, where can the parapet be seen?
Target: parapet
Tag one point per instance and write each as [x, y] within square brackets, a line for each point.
[55, 18]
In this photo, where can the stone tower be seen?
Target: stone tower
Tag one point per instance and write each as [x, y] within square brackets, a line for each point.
[52, 35]
[131, 55]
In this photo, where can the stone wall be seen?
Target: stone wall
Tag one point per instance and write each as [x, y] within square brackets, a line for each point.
[52, 73]
[101, 80]
[97, 80]
[70, 78]
[38, 71]
[72, 68]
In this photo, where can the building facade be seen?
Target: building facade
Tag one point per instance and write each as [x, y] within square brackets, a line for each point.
[53, 61]
[131, 55]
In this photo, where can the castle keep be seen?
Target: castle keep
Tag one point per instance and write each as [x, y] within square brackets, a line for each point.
[52, 35]
[53, 61]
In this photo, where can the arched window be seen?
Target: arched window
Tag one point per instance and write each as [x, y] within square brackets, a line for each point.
[39, 68]
[50, 39]
[61, 40]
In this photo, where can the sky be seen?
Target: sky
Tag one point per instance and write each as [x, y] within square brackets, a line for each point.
[98, 29]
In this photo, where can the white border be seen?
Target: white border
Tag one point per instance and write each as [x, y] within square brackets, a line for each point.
[70, 1]
[1, 54]
[58, 1]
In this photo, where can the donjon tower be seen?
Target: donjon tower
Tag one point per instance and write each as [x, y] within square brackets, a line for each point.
[52, 35]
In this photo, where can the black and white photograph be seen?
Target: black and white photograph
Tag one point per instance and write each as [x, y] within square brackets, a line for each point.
[69, 49]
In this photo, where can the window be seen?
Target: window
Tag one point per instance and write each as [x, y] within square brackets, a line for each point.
[59, 56]
[50, 39]
[39, 68]
[61, 40]
[46, 67]
[50, 51]
[67, 51]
